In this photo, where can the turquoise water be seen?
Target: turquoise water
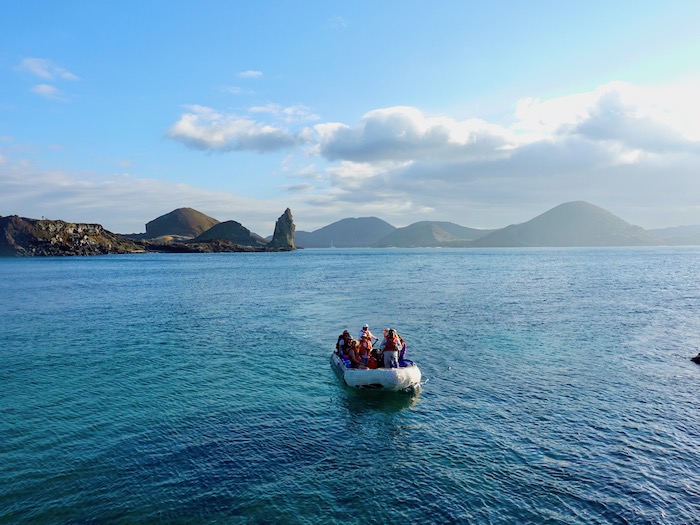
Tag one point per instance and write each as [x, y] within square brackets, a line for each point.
[188, 388]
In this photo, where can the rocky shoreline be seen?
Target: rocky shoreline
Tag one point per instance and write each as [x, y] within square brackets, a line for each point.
[208, 246]
[24, 237]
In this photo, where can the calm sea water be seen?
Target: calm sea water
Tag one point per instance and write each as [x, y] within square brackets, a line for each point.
[197, 389]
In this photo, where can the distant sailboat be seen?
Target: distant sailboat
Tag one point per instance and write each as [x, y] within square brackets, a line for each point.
[332, 245]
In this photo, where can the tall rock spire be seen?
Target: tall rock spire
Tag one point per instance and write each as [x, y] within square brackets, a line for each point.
[283, 238]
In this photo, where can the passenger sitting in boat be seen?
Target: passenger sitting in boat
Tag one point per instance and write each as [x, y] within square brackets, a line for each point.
[342, 345]
[354, 355]
[391, 350]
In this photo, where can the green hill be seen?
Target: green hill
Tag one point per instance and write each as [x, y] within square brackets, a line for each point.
[429, 234]
[570, 224]
[183, 222]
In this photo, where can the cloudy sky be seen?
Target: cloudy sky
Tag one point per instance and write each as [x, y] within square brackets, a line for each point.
[480, 113]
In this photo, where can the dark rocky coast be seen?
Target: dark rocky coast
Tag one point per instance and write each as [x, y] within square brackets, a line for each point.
[24, 237]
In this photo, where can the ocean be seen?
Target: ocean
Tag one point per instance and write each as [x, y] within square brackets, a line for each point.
[196, 388]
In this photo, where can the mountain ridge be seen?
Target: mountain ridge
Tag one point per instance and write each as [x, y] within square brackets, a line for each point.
[678, 235]
[352, 232]
[576, 223]
[431, 234]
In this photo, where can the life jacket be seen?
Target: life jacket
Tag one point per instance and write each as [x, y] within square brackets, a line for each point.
[365, 346]
[391, 346]
[364, 333]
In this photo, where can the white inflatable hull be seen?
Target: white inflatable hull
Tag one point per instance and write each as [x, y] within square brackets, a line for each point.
[389, 379]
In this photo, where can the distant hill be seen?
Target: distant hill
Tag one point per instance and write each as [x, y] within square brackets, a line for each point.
[571, 224]
[429, 234]
[346, 233]
[232, 231]
[678, 236]
[183, 222]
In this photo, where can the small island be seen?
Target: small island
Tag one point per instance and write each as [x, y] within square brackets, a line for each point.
[181, 231]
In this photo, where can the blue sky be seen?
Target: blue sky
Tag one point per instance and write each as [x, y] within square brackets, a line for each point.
[480, 113]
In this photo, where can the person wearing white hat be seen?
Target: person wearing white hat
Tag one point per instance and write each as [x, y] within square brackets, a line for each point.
[365, 331]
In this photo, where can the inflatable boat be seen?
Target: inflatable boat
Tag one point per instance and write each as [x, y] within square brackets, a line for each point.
[404, 377]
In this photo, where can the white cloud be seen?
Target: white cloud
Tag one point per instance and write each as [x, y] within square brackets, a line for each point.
[651, 118]
[296, 113]
[250, 73]
[633, 150]
[206, 129]
[615, 123]
[122, 203]
[46, 69]
[48, 91]
[619, 146]
[405, 133]
[232, 90]
[351, 176]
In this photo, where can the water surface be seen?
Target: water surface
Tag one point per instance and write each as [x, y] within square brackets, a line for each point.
[195, 388]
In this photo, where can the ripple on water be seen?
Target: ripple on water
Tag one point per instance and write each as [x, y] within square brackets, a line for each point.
[183, 389]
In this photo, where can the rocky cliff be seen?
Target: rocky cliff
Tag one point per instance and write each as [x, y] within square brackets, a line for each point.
[283, 238]
[22, 237]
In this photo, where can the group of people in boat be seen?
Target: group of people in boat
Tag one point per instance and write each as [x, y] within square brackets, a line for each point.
[361, 353]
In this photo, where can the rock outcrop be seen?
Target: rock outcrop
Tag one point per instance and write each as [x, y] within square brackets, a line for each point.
[231, 231]
[22, 237]
[696, 359]
[283, 238]
[205, 246]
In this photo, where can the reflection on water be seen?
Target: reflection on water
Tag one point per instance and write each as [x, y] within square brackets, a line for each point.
[359, 401]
